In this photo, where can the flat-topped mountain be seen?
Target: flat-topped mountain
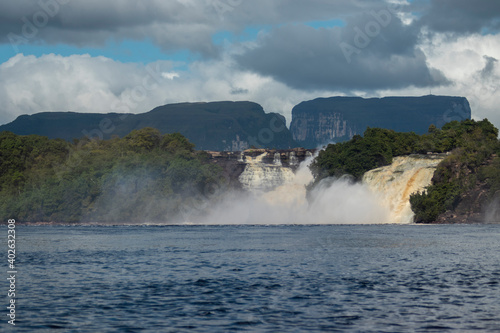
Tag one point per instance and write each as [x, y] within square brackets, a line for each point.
[236, 126]
[223, 126]
[326, 120]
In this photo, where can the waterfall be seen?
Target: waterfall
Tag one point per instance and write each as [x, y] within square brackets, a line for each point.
[277, 159]
[260, 176]
[395, 183]
[293, 159]
[276, 195]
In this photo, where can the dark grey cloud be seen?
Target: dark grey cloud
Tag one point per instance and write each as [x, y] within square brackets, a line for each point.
[294, 11]
[172, 24]
[460, 16]
[371, 51]
[190, 24]
[489, 69]
[374, 50]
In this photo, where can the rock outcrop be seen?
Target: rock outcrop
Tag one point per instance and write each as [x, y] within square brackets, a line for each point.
[260, 169]
[327, 120]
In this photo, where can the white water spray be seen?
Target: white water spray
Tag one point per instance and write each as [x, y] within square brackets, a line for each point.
[333, 201]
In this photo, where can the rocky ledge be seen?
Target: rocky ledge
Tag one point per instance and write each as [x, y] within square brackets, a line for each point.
[234, 163]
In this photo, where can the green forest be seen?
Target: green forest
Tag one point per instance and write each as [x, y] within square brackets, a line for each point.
[142, 177]
[149, 177]
[473, 161]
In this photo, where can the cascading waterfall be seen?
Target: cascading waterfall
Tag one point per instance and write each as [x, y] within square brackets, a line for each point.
[277, 159]
[395, 183]
[260, 176]
[277, 195]
[293, 159]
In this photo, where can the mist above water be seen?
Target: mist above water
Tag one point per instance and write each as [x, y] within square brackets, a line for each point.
[492, 211]
[333, 201]
[273, 195]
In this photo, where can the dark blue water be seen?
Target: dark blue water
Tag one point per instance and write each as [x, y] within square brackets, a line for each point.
[381, 278]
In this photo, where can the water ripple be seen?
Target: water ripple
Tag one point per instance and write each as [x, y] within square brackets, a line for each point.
[259, 279]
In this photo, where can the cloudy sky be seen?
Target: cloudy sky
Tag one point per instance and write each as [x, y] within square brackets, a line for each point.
[133, 55]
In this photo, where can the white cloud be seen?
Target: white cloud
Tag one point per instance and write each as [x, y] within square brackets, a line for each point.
[170, 75]
[76, 83]
[463, 60]
[83, 83]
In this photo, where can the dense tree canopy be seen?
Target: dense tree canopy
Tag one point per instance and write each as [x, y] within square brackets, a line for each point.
[473, 162]
[473, 147]
[144, 176]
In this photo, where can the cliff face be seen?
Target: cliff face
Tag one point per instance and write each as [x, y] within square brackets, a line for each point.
[326, 120]
[260, 176]
[395, 183]
[260, 169]
[222, 126]
[313, 129]
[236, 126]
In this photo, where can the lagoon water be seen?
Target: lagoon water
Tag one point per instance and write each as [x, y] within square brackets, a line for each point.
[363, 278]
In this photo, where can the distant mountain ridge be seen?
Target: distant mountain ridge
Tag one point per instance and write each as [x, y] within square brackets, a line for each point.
[336, 119]
[236, 126]
[222, 126]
